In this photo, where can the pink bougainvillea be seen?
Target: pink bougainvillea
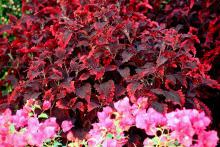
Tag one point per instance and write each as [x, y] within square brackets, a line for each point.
[181, 126]
[25, 128]
[66, 126]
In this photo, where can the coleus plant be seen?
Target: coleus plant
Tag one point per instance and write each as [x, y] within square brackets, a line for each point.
[82, 55]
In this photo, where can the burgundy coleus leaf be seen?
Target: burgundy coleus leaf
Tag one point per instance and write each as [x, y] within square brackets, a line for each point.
[60, 52]
[191, 3]
[160, 107]
[84, 76]
[99, 25]
[23, 50]
[5, 28]
[62, 104]
[14, 95]
[69, 86]
[3, 46]
[32, 95]
[33, 74]
[50, 44]
[210, 56]
[199, 105]
[98, 72]
[3, 105]
[170, 81]
[61, 93]
[35, 69]
[132, 88]
[110, 68]
[210, 82]
[176, 97]
[50, 10]
[75, 66]
[56, 74]
[79, 105]
[147, 69]
[64, 38]
[84, 92]
[48, 95]
[119, 90]
[126, 56]
[92, 105]
[106, 91]
[161, 60]
[124, 72]
[72, 102]
[182, 79]
[143, 6]
[188, 46]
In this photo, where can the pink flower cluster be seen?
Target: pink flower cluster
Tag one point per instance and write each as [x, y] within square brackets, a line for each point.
[183, 125]
[189, 122]
[24, 128]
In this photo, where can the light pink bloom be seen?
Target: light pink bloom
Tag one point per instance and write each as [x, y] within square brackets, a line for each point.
[110, 143]
[122, 105]
[66, 125]
[20, 119]
[207, 139]
[149, 120]
[107, 111]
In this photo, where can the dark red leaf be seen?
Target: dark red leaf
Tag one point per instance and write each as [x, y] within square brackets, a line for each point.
[124, 72]
[84, 92]
[176, 97]
[161, 60]
[106, 91]
[132, 88]
[84, 76]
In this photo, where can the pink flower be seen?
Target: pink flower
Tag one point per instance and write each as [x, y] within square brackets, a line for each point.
[107, 111]
[46, 105]
[207, 139]
[20, 119]
[148, 142]
[49, 132]
[66, 125]
[70, 136]
[126, 123]
[183, 139]
[122, 105]
[17, 140]
[110, 143]
[149, 120]
[33, 124]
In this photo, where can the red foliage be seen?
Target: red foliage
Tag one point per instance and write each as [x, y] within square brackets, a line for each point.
[83, 54]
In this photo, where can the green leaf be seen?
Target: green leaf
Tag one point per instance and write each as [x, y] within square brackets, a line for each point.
[31, 114]
[43, 115]
[109, 136]
[22, 130]
[84, 142]
[57, 144]
[118, 137]
[71, 144]
[37, 106]
[12, 128]
[155, 140]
